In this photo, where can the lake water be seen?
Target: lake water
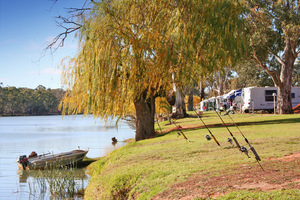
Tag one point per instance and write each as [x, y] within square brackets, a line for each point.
[43, 134]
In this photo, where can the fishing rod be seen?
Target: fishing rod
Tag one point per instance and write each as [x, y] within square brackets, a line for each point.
[207, 129]
[178, 127]
[241, 148]
[250, 147]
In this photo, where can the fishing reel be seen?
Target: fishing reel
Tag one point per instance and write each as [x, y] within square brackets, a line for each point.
[241, 148]
[230, 141]
[244, 150]
[208, 137]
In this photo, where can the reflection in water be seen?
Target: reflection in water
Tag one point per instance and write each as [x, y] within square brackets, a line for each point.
[23, 175]
[55, 183]
[114, 141]
[79, 173]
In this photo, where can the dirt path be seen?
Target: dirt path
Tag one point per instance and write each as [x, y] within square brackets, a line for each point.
[279, 173]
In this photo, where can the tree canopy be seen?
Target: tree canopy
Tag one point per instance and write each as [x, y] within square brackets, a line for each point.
[274, 30]
[128, 50]
[25, 101]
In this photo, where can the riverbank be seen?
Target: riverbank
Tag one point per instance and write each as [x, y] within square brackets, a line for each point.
[170, 167]
[54, 134]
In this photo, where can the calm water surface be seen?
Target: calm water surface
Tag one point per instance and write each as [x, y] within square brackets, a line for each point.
[43, 134]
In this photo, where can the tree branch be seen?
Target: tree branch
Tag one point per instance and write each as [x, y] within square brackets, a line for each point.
[59, 40]
[78, 11]
[68, 25]
[276, 56]
[274, 75]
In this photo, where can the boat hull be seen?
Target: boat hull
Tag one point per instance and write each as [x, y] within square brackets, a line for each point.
[54, 160]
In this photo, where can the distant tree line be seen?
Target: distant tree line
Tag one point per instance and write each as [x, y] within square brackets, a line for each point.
[25, 101]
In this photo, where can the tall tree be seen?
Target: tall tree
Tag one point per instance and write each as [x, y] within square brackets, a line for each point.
[128, 50]
[179, 108]
[221, 79]
[274, 29]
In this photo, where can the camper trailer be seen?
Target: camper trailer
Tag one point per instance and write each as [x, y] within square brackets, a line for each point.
[262, 98]
[233, 97]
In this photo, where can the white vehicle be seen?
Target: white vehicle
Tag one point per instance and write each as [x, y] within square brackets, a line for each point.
[233, 97]
[222, 101]
[262, 98]
[208, 104]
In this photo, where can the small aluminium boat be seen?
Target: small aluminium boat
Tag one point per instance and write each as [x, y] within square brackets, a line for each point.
[48, 161]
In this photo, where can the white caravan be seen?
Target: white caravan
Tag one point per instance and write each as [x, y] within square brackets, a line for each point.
[208, 104]
[233, 97]
[262, 98]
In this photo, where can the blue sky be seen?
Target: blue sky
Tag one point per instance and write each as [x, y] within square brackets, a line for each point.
[26, 27]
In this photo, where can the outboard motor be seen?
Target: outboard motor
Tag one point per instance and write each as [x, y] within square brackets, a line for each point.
[23, 160]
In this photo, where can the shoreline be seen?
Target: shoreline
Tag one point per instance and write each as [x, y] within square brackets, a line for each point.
[169, 167]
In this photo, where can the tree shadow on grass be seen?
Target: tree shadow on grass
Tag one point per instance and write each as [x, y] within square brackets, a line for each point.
[264, 122]
[229, 123]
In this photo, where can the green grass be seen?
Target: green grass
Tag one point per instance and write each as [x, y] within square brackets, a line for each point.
[146, 168]
[250, 195]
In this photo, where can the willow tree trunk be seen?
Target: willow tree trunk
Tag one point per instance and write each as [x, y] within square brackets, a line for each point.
[145, 110]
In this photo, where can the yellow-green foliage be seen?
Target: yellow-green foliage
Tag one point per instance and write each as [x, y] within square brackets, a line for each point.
[146, 168]
[196, 100]
[162, 106]
[128, 49]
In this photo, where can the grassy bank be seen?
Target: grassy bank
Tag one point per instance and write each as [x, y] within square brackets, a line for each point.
[164, 167]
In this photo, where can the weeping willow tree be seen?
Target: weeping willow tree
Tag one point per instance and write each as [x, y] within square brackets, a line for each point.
[129, 49]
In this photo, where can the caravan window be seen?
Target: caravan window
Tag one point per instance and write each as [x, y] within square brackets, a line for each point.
[269, 95]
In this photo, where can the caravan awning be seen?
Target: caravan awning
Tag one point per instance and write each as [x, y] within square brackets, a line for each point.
[236, 93]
